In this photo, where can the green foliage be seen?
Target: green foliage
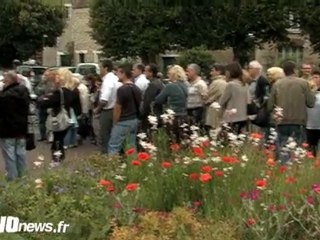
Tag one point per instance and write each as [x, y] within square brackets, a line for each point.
[198, 55]
[151, 29]
[26, 26]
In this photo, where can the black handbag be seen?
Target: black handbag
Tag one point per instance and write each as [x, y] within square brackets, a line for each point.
[252, 109]
[262, 118]
[30, 142]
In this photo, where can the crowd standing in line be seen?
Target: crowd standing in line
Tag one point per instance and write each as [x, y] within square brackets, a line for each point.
[112, 108]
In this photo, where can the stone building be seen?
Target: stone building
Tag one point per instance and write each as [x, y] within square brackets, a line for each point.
[75, 45]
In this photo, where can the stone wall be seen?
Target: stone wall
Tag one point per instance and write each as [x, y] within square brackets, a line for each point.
[75, 40]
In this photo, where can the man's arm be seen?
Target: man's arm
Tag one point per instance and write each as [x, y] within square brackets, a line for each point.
[116, 113]
[163, 96]
[310, 97]
[104, 96]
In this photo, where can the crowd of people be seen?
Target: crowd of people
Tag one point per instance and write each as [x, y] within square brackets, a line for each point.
[111, 108]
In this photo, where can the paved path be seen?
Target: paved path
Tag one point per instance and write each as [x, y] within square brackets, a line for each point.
[44, 149]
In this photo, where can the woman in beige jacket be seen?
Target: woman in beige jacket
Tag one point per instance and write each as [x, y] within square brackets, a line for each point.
[235, 99]
[215, 92]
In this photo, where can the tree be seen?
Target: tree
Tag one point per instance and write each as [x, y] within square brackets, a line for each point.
[199, 55]
[26, 26]
[309, 22]
[151, 27]
[122, 32]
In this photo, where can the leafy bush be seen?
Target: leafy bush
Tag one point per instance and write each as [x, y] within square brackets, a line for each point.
[200, 55]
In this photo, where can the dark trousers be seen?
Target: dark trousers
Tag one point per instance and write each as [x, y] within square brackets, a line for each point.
[57, 147]
[196, 115]
[284, 133]
[42, 123]
[176, 133]
[237, 127]
[106, 123]
[313, 138]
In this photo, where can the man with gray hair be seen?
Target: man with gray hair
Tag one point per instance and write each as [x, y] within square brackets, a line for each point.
[197, 94]
[259, 85]
[14, 105]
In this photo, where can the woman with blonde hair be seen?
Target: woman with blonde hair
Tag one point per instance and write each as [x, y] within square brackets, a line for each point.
[60, 97]
[70, 140]
[274, 74]
[175, 96]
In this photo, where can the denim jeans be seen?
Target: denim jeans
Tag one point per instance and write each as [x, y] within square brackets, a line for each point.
[71, 137]
[123, 132]
[14, 154]
[284, 133]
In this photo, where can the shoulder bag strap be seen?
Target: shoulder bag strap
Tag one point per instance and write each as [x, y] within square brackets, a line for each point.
[61, 99]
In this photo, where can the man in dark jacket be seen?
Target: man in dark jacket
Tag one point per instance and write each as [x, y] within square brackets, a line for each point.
[14, 105]
[153, 90]
[259, 85]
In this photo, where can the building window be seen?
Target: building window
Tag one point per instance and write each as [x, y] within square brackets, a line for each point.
[82, 58]
[290, 53]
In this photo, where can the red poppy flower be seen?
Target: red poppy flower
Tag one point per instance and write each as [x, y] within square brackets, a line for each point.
[261, 183]
[132, 187]
[130, 151]
[135, 163]
[198, 151]
[205, 144]
[218, 173]
[305, 145]
[316, 188]
[243, 195]
[193, 176]
[175, 147]
[110, 189]
[272, 208]
[206, 169]
[166, 164]
[272, 147]
[104, 183]
[230, 160]
[197, 204]
[143, 156]
[310, 200]
[290, 180]
[256, 136]
[271, 162]
[205, 177]
[282, 169]
[309, 155]
[250, 222]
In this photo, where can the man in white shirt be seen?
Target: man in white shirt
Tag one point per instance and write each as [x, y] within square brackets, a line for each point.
[140, 79]
[108, 97]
